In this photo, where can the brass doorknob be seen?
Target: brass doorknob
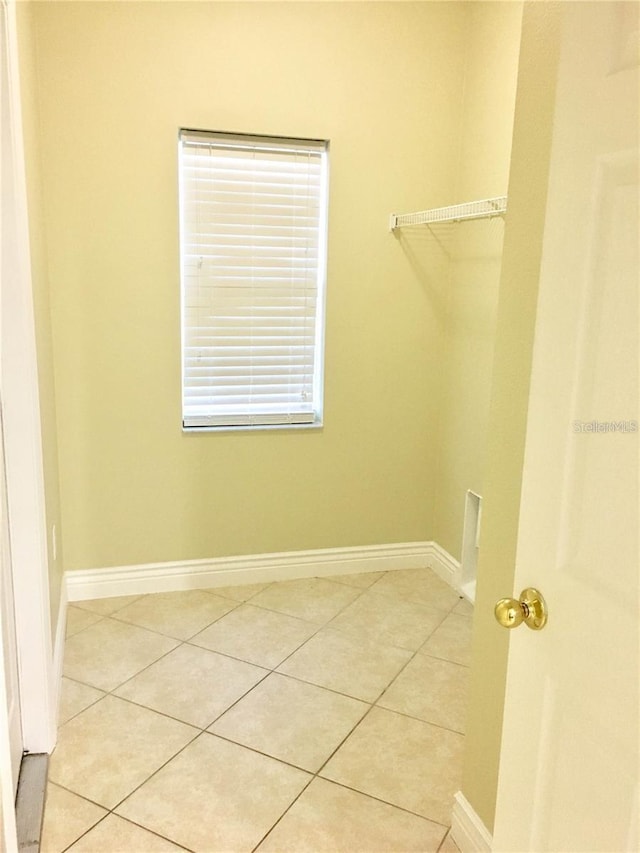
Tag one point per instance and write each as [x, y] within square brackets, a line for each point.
[530, 608]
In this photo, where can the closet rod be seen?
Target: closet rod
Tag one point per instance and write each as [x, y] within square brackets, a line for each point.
[454, 213]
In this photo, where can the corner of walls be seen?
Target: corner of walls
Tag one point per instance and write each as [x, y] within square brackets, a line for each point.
[474, 250]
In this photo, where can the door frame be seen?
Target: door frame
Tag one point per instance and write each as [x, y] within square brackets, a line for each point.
[23, 440]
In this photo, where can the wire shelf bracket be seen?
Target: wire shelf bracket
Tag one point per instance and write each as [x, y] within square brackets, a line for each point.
[483, 209]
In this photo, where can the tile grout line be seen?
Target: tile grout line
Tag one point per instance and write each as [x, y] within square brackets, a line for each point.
[419, 720]
[446, 835]
[82, 835]
[86, 627]
[416, 652]
[285, 812]
[76, 794]
[111, 814]
[155, 772]
[384, 802]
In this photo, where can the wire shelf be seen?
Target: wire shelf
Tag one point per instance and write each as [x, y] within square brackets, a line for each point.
[454, 213]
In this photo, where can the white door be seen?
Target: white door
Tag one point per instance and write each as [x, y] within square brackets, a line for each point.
[570, 758]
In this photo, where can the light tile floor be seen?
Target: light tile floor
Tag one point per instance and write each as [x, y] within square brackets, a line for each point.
[308, 716]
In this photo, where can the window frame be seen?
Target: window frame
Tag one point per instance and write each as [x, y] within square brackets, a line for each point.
[318, 148]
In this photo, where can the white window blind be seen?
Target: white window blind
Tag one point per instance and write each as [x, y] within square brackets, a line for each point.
[253, 253]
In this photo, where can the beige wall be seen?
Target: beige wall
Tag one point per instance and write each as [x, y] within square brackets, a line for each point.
[509, 398]
[475, 251]
[40, 280]
[116, 81]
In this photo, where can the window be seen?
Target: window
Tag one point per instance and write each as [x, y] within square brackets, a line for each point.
[253, 223]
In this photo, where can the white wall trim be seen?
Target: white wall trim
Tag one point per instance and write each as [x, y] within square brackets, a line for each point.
[444, 565]
[58, 651]
[22, 433]
[467, 830]
[252, 568]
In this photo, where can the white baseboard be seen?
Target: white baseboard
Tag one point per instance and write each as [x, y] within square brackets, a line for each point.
[443, 564]
[467, 830]
[252, 568]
